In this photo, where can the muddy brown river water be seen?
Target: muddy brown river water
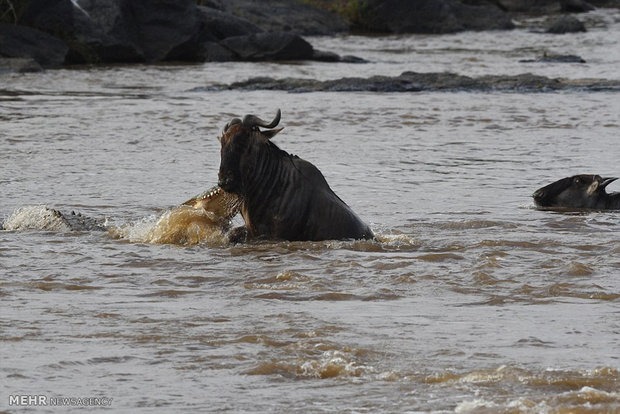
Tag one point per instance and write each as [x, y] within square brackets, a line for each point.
[472, 301]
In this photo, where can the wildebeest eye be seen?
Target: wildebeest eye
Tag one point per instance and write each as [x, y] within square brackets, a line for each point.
[577, 180]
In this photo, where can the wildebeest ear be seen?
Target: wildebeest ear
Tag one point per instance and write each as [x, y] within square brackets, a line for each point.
[271, 132]
[593, 187]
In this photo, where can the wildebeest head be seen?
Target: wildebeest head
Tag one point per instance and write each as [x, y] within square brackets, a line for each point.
[579, 192]
[239, 138]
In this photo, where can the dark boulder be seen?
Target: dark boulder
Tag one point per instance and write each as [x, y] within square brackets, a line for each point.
[96, 31]
[165, 29]
[605, 3]
[287, 16]
[269, 46]
[51, 16]
[324, 56]
[565, 24]
[213, 4]
[120, 30]
[19, 65]
[416, 82]
[481, 18]
[540, 7]
[529, 6]
[555, 59]
[218, 25]
[103, 31]
[131, 31]
[575, 6]
[25, 42]
[214, 52]
[429, 16]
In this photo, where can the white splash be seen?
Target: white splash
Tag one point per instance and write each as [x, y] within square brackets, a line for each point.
[38, 217]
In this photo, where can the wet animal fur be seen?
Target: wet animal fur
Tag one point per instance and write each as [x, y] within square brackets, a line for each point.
[584, 191]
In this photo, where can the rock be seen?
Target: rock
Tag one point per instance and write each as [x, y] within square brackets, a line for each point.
[575, 6]
[25, 42]
[531, 6]
[605, 3]
[565, 24]
[214, 52]
[218, 25]
[415, 82]
[213, 4]
[429, 16]
[269, 46]
[287, 16]
[481, 18]
[51, 16]
[19, 65]
[323, 56]
[555, 59]
[540, 7]
[96, 31]
[352, 59]
[165, 29]
[406, 82]
[120, 30]
[102, 31]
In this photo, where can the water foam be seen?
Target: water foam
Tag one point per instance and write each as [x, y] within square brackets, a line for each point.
[182, 225]
[35, 217]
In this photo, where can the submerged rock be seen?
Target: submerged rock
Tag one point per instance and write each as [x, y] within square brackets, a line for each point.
[565, 24]
[19, 65]
[416, 82]
[555, 59]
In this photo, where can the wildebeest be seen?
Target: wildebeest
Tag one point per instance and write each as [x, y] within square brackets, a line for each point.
[283, 197]
[578, 192]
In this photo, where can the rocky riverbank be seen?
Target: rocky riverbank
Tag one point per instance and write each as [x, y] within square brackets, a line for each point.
[55, 33]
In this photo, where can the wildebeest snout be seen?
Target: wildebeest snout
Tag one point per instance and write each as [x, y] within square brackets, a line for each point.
[539, 194]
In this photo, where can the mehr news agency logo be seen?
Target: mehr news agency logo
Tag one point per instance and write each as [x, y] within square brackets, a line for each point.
[47, 401]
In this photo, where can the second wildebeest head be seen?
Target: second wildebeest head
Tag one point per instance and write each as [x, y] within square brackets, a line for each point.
[584, 191]
[239, 140]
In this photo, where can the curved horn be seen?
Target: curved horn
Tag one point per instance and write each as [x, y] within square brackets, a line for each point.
[607, 181]
[231, 123]
[251, 121]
